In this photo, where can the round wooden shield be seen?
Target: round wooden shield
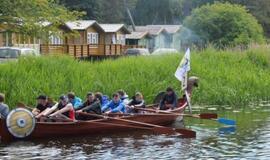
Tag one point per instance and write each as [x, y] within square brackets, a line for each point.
[20, 122]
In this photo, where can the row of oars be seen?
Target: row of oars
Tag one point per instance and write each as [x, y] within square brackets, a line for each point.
[184, 132]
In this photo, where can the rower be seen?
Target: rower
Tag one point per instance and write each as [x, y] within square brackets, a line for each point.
[42, 105]
[4, 109]
[74, 100]
[92, 103]
[64, 109]
[114, 106]
[123, 96]
[136, 102]
[169, 100]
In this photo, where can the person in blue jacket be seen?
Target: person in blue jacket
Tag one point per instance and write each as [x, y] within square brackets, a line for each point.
[4, 109]
[75, 101]
[115, 105]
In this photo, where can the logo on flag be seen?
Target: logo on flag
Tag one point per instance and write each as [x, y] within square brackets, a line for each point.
[183, 67]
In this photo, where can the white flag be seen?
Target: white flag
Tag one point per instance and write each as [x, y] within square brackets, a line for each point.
[183, 67]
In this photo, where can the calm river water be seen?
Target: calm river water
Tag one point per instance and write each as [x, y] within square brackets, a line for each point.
[249, 140]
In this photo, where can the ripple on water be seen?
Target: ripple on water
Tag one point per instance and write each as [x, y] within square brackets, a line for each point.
[251, 140]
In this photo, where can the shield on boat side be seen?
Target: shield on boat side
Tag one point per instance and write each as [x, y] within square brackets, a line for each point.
[20, 122]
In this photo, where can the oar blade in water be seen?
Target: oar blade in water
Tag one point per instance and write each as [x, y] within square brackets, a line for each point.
[227, 130]
[227, 121]
[208, 116]
[164, 130]
[185, 133]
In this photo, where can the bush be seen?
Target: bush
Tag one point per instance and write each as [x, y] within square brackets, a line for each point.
[225, 25]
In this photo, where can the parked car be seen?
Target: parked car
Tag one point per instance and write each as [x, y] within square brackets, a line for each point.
[161, 51]
[12, 53]
[137, 51]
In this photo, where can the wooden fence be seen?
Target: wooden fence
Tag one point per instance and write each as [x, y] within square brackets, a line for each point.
[88, 50]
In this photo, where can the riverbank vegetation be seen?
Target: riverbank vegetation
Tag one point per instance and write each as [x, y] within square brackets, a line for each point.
[226, 77]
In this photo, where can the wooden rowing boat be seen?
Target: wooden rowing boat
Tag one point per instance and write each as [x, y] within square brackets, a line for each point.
[90, 127]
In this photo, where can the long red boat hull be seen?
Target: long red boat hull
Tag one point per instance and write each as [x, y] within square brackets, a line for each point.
[61, 129]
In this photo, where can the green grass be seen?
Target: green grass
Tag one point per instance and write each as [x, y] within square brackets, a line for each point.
[226, 77]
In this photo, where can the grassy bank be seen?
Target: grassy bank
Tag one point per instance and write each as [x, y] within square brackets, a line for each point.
[226, 77]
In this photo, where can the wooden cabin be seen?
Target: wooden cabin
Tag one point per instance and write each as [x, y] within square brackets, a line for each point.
[172, 36]
[86, 38]
[91, 39]
[158, 36]
[138, 38]
[79, 39]
[115, 36]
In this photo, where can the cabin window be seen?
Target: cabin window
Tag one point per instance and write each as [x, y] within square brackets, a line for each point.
[55, 40]
[113, 39]
[92, 38]
[121, 39]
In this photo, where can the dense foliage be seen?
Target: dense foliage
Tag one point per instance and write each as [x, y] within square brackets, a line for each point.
[224, 24]
[159, 11]
[226, 77]
[29, 17]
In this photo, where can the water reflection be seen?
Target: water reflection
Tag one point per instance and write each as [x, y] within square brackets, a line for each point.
[227, 130]
[250, 140]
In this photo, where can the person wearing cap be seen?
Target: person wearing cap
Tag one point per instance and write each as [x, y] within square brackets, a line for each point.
[4, 109]
[74, 100]
[169, 100]
[115, 105]
[42, 105]
[64, 109]
[136, 102]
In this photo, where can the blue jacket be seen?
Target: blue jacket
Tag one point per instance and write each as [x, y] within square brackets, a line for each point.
[4, 110]
[77, 102]
[115, 107]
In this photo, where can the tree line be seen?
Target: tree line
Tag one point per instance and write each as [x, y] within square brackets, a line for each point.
[159, 11]
[224, 23]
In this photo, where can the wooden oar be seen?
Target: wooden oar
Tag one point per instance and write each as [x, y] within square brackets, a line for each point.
[210, 116]
[101, 123]
[186, 133]
[201, 116]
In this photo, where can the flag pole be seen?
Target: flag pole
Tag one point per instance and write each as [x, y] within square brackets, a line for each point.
[184, 88]
[182, 75]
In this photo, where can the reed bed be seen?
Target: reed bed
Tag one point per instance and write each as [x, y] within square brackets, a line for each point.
[226, 77]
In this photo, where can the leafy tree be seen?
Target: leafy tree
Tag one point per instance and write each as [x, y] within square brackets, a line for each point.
[30, 16]
[91, 7]
[224, 24]
[157, 12]
[260, 9]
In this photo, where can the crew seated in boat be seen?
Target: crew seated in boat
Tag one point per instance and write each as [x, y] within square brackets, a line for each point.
[92, 103]
[74, 100]
[42, 105]
[136, 102]
[63, 109]
[4, 109]
[169, 100]
[115, 105]
[123, 96]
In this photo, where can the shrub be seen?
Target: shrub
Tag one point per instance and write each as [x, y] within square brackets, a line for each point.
[225, 25]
